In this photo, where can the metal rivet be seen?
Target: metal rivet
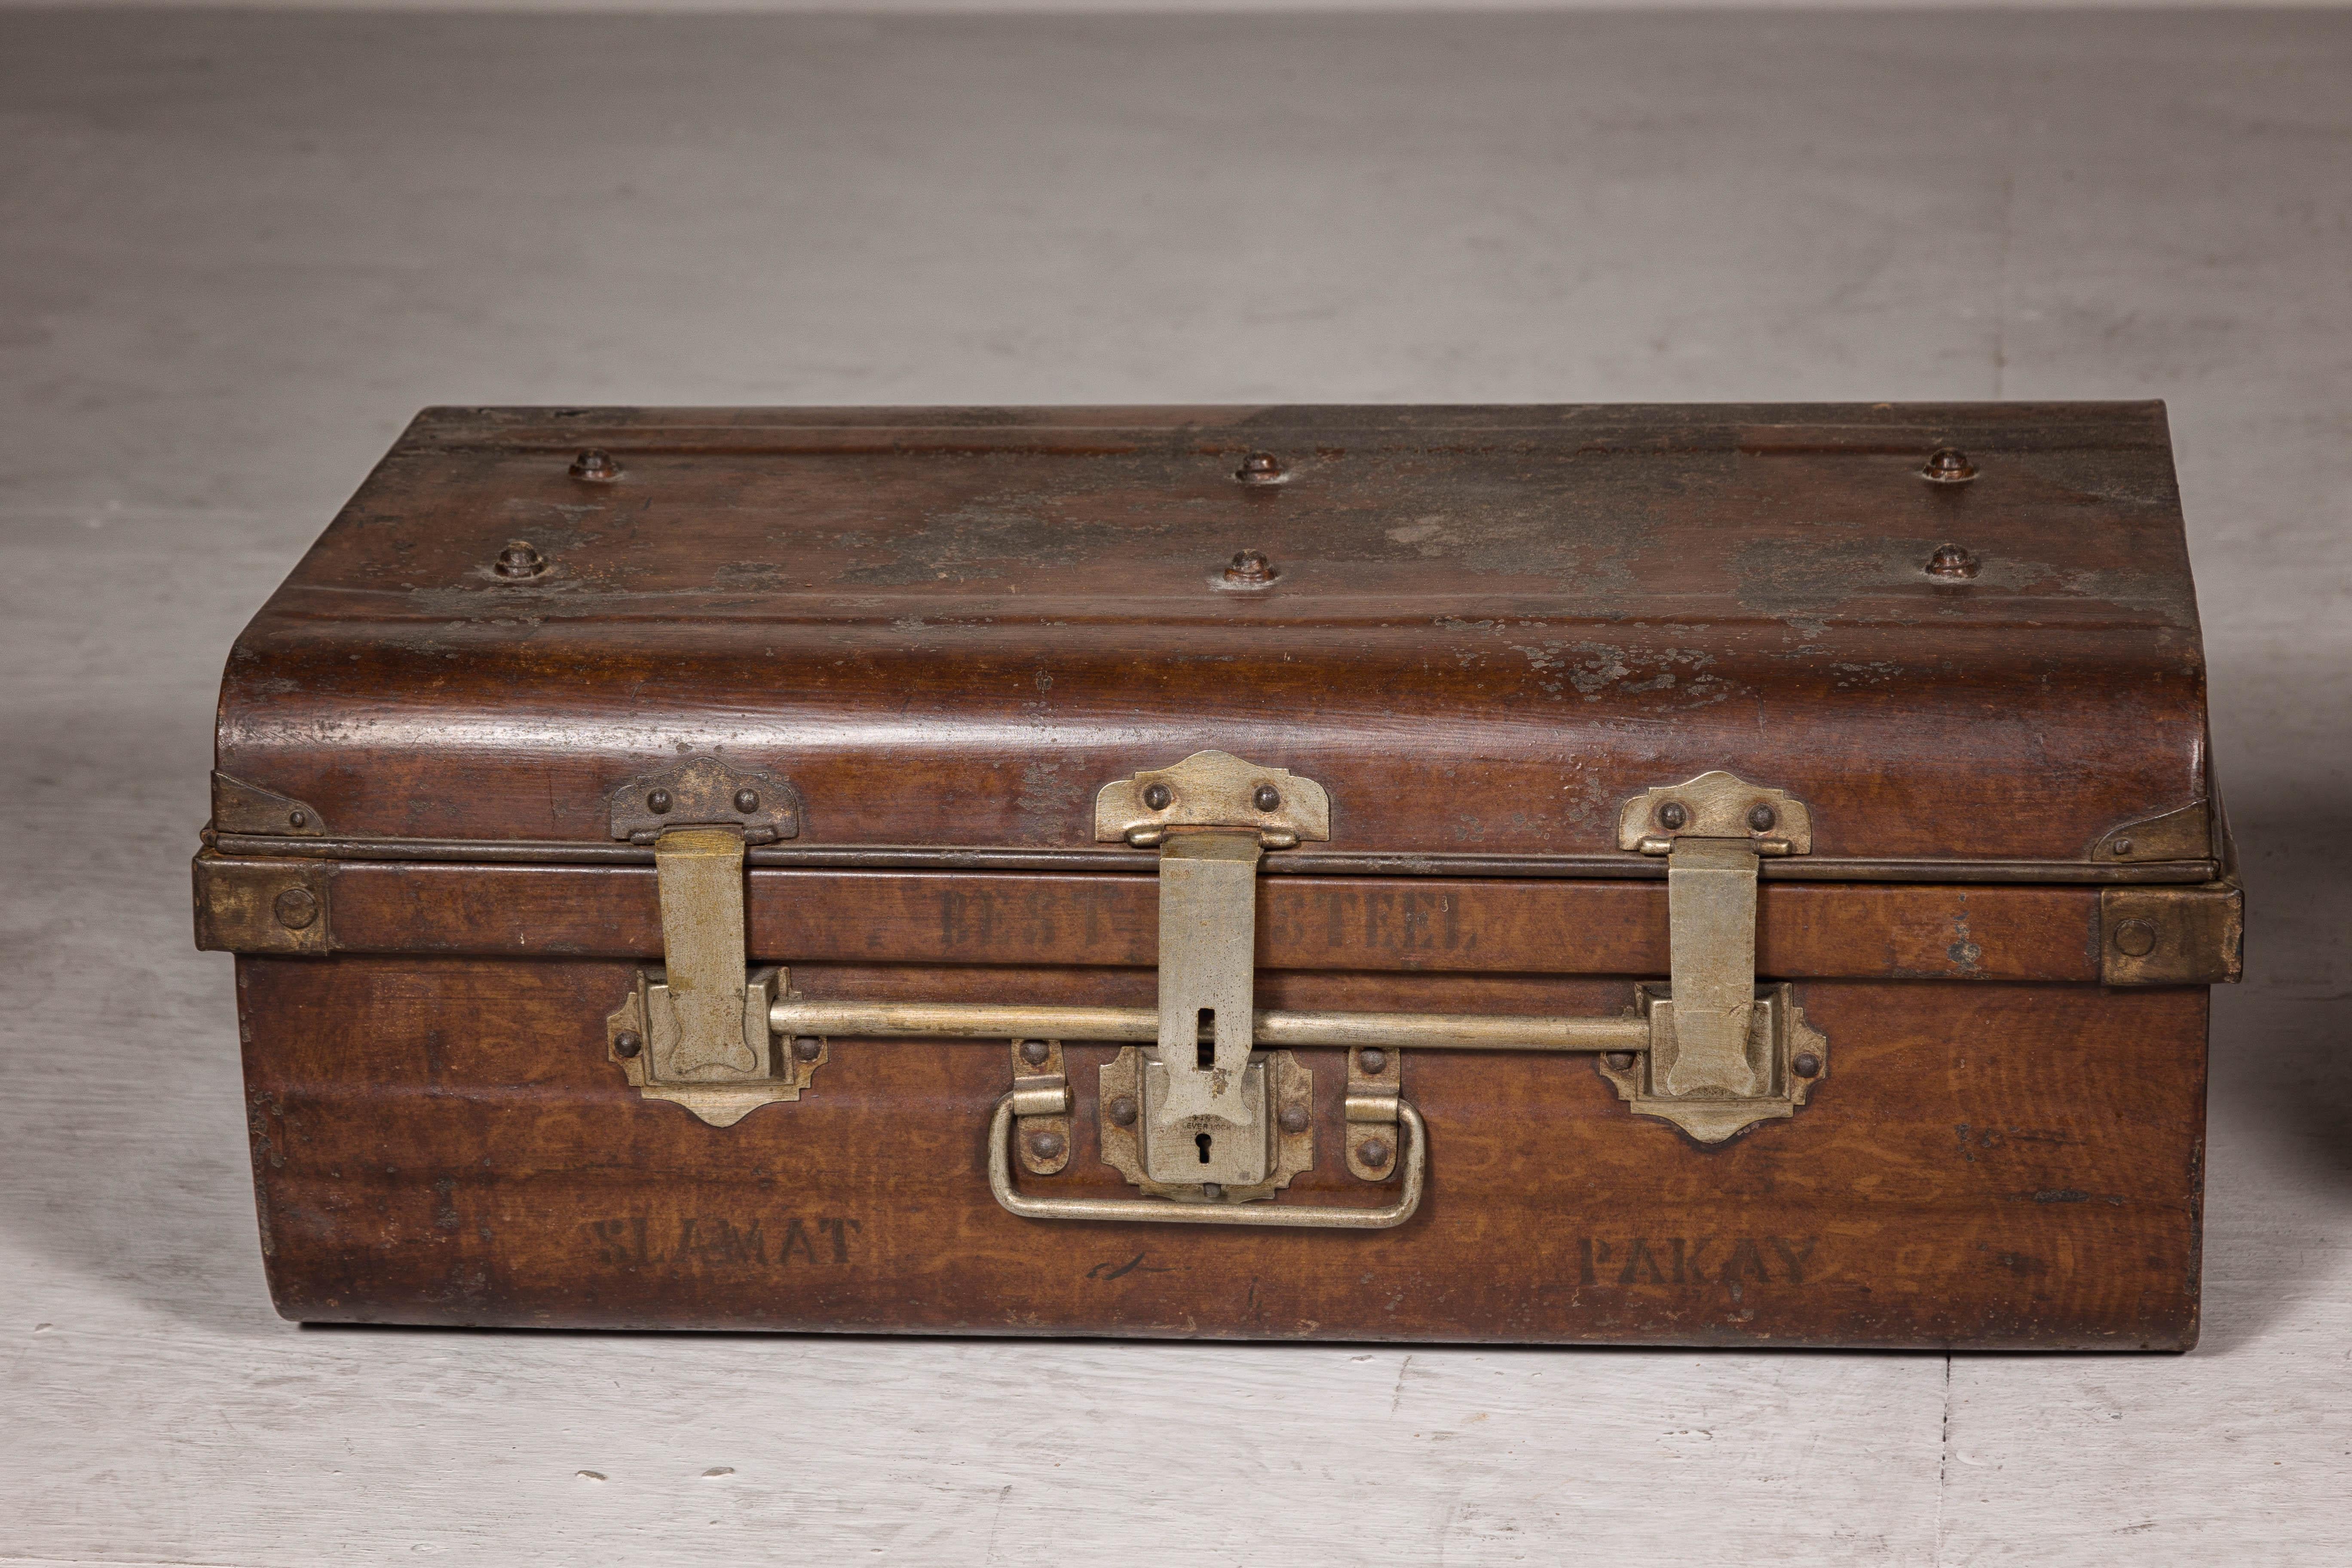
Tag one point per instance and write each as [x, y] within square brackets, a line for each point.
[2123, 846]
[1267, 798]
[1047, 1145]
[519, 560]
[1619, 1060]
[299, 818]
[296, 907]
[1807, 1065]
[1261, 468]
[1123, 1111]
[1763, 820]
[1157, 797]
[1293, 1118]
[1673, 814]
[1948, 466]
[1372, 1062]
[1035, 1052]
[747, 800]
[627, 1044]
[2135, 939]
[657, 802]
[1250, 568]
[596, 464]
[1953, 565]
[1372, 1153]
[808, 1047]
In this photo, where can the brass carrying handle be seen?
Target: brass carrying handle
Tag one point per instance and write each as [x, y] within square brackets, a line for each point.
[1168, 1211]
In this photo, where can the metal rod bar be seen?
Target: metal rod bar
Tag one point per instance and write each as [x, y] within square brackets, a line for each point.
[1272, 1029]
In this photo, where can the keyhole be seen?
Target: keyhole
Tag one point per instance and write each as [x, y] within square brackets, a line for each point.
[1203, 1140]
[1205, 1032]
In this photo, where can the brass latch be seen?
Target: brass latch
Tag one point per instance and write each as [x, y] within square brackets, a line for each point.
[697, 1034]
[1207, 1116]
[1722, 1055]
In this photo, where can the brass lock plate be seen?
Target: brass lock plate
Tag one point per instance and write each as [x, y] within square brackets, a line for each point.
[1230, 1166]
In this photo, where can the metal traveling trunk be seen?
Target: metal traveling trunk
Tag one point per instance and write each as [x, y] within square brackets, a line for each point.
[1708, 874]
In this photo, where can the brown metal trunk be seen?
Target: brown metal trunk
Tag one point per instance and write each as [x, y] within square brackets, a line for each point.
[1485, 631]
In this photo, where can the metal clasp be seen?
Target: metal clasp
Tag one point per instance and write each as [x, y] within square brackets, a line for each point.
[1213, 1118]
[1723, 1055]
[698, 1033]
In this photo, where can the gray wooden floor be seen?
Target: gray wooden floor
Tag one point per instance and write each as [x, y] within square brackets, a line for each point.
[237, 252]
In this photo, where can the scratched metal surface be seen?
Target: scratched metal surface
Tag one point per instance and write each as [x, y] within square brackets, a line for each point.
[1486, 628]
[242, 250]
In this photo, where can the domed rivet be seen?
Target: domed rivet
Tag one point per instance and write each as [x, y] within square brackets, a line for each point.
[1948, 466]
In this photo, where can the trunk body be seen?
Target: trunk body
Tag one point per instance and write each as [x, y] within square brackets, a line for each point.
[1997, 885]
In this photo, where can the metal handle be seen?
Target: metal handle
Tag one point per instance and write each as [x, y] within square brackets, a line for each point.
[1167, 1211]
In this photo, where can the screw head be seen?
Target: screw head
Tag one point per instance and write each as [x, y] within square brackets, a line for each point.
[1948, 466]
[1123, 1111]
[2135, 939]
[1250, 569]
[747, 800]
[1951, 563]
[808, 1047]
[1047, 1145]
[1372, 1153]
[1763, 820]
[1261, 468]
[1293, 1118]
[1267, 799]
[298, 818]
[596, 464]
[1158, 796]
[2123, 847]
[1372, 1062]
[1035, 1052]
[296, 907]
[1672, 815]
[1618, 1061]
[659, 802]
[1807, 1065]
[519, 560]
[627, 1043]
